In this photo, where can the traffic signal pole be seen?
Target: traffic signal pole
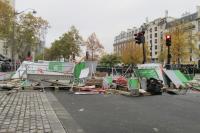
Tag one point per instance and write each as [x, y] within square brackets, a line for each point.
[144, 54]
[168, 44]
[140, 39]
[168, 58]
[144, 50]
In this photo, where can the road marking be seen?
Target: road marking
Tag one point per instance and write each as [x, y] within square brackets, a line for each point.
[81, 110]
[156, 130]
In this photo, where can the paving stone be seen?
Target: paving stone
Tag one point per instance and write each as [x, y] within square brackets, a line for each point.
[19, 131]
[47, 130]
[11, 130]
[3, 130]
[26, 111]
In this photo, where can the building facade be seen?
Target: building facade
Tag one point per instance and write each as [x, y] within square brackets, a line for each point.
[191, 25]
[123, 39]
[155, 34]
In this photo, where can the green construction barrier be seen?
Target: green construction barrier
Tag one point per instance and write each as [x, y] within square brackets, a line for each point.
[109, 79]
[56, 66]
[181, 76]
[147, 73]
[133, 83]
[78, 68]
[189, 76]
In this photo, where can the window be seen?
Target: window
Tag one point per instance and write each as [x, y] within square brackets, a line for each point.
[161, 35]
[156, 34]
[199, 25]
[155, 28]
[150, 53]
[150, 41]
[190, 50]
[156, 41]
[150, 35]
[150, 30]
[156, 53]
[156, 47]
[161, 49]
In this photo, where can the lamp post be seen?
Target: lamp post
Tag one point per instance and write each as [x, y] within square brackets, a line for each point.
[13, 34]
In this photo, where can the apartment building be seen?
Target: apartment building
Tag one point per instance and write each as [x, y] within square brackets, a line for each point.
[155, 34]
[191, 24]
[123, 39]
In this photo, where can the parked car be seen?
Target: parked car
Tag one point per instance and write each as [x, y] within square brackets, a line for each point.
[5, 64]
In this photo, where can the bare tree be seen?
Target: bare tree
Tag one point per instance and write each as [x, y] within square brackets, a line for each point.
[94, 46]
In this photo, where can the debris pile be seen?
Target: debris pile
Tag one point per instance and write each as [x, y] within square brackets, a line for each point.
[82, 78]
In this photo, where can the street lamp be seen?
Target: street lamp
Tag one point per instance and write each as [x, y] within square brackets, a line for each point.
[33, 11]
[13, 36]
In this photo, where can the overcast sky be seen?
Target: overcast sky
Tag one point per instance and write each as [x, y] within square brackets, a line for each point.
[106, 18]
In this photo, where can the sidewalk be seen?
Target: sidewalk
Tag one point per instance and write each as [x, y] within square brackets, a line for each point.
[27, 111]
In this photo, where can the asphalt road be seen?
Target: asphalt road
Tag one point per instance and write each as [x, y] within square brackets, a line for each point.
[121, 114]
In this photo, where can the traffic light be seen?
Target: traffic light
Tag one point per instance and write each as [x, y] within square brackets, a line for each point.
[168, 40]
[139, 38]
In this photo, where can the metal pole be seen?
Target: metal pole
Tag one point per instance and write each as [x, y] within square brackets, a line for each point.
[13, 35]
[151, 53]
[43, 53]
[13, 42]
[144, 53]
[168, 58]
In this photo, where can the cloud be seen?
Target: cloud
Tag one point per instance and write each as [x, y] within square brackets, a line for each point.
[105, 17]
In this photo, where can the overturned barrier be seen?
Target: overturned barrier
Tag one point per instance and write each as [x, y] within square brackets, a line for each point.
[177, 78]
[45, 73]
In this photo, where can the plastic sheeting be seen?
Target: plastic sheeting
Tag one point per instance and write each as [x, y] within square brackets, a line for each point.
[173, 77]
[181, 76]
[44, 68]
[157, 67]
[84, 73]
[56, 66]
[133, 83]
[78, 68]
[92, 65]
[107, 82]
[147, 73]
[21, 70]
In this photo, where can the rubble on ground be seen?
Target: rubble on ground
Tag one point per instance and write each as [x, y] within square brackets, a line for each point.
[82, 79]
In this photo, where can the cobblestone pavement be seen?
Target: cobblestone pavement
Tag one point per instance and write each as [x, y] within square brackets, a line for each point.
[27, 111]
